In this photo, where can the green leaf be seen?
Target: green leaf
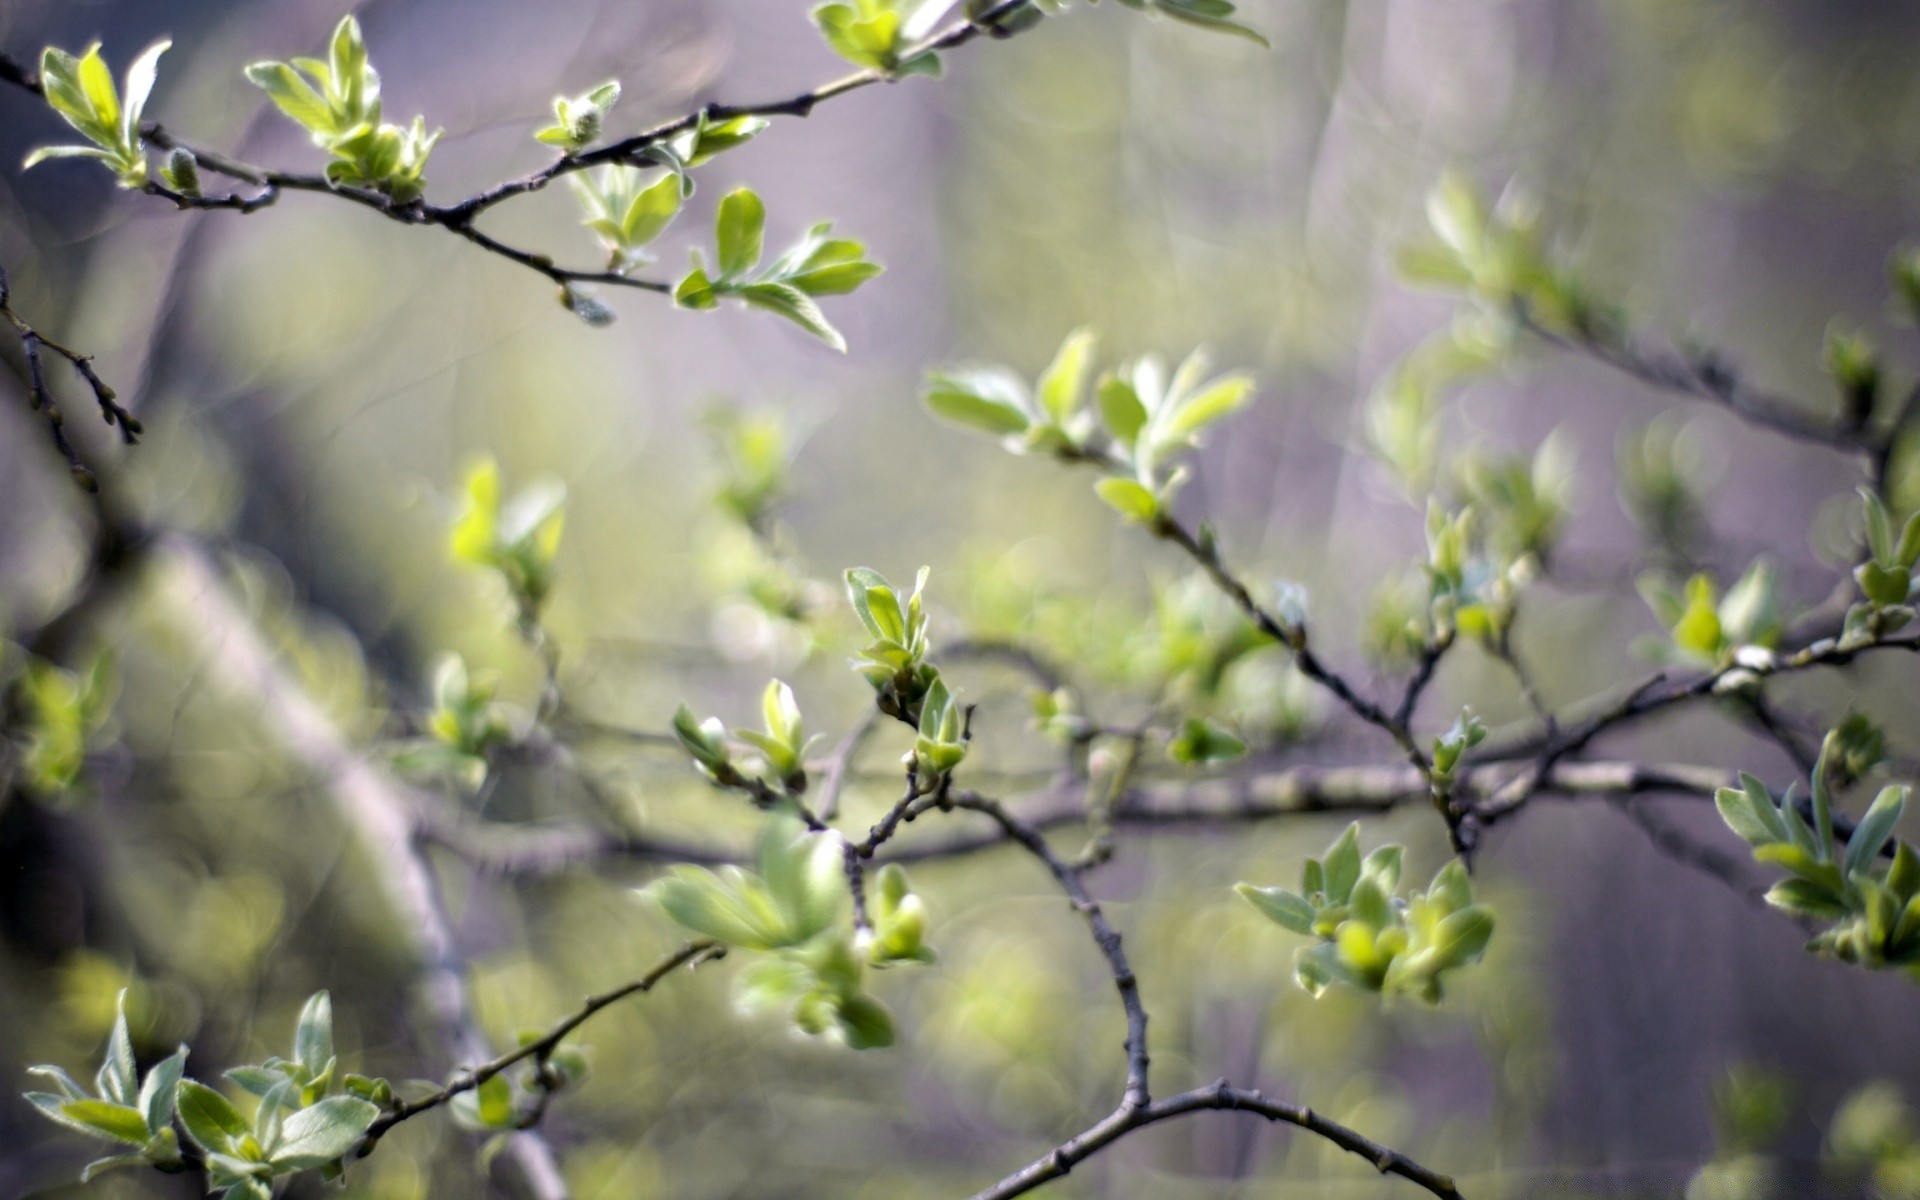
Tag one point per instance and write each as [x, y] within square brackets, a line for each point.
[695, 291]
[317, 1135]
[107, 1119]
[1219, 399]
[739, 227]
[865, 1023]
[118, 1079]
[1059, 386]
[141, 75]
[1121, 408]
[795, 305]
[1805, 898]
[1279, 905]
[954, 401]
[1879, 526]
[157, 1093]
[70, 1088]
[652, 210]
[211, 1121]
[1462, 937]
[1342, 864]
[96, 83]
[294, 96]
[1129, 498]
[1875, 829]
[313, 1035]
[1737, 809]
[100, 1166]
[46, 152]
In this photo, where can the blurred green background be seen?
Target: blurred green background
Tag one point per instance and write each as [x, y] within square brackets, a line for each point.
[316, 380]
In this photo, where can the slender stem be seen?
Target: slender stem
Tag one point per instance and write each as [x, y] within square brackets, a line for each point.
[541, 1048]
[1221, 1097]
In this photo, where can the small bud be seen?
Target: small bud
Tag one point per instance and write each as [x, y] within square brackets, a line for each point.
[181, 171]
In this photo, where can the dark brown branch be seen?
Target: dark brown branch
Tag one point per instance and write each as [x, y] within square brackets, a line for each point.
[1221, 1097]
[41, 396]
[459, 218]
[1136, 1096]
[541, 1048]
[1294, 637]
[1705, 375]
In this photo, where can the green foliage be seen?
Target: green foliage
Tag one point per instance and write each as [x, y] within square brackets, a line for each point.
[1853, 362]
[942, 740]
[874, 33]
[519, 540]
[1466, 732]
[1751, 1106]
[784, 743]
[1495, 253]
[625, 212]
[181, 171]
[1214, 15]
[122, 1107]
[707, 137]
[1147, 416]
[81, 90]
[299, 1124]
[466, 723]
[817, 265]
[809, 963]
[1663, 468]
[1872, 901]
[1367, 936]
[1202, 743]
[755, 450]
[1709, 629]
[895, 660]
[61, 711]
[577, 120]
[337, 101]
[1886, 577]
[1875, 1134]
[899, 921]
[780, 748]
[1048, 417]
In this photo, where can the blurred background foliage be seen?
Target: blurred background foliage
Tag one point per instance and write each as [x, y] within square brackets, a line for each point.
[317, 381]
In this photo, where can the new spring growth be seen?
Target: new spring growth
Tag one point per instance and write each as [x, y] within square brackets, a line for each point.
[1367, 936]
[337, 101]
[81, 90]
[1871, 899]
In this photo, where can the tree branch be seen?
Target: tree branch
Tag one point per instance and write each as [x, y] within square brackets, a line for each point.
[1224, 1098]
[43, 401]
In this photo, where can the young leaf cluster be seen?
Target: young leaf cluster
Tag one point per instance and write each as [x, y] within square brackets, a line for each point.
[577, 120]
[780, 748]
[817, 265]
[466, 723]
[894, 661]
[1873, 901]
[81, 90]
[874, 33]
[61, 711]
[519, 540]
[1368, 937]
[1146, 416]
[337, 101]
[1886, 577]
[122, 1107]
[791, 914]
[1708, 628]
[297, 1124]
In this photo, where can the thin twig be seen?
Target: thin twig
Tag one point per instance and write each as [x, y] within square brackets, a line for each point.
[541, 1048]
